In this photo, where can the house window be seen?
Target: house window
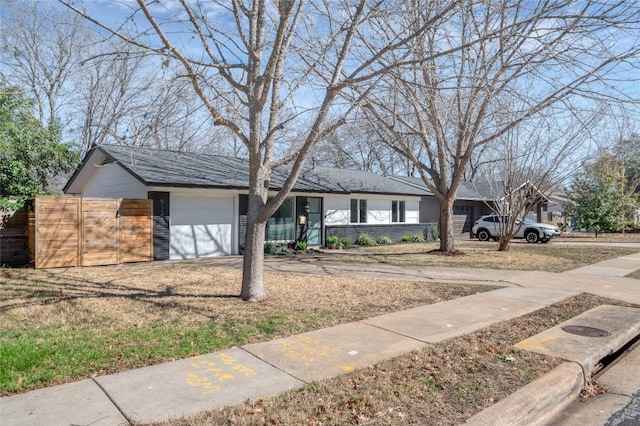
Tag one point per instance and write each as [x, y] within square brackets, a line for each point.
[461, 209]
[398, 211]
[281, 226]
[358, 211]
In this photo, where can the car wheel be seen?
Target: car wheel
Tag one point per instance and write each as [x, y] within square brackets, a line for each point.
[532, 237]
[483, 235]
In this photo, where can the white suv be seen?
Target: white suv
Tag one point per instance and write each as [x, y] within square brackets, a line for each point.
[489, 227]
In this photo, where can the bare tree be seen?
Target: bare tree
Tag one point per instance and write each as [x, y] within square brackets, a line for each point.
[113, 95]
[174, 118]
[100, 91]
[525, 165]
[545, 57]
[125, 97]
[249, 60]
[41, 49]
[357, 145]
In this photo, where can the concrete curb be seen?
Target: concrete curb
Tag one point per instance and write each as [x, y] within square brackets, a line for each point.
[536, 401]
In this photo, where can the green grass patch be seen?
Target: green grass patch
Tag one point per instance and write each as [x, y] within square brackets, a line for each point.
[634, 274]
[55, 353]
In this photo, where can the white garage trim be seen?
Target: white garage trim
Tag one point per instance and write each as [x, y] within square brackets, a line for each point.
[201, 226]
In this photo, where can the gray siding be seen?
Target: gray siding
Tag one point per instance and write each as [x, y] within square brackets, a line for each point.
[429, 209]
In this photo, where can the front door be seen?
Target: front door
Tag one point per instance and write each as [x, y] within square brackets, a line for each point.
[314, 218]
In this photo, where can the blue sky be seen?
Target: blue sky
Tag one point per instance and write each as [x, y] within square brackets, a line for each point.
[119, 13]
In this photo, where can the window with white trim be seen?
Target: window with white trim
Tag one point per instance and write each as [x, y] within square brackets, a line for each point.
[358, 211]
[398, 211]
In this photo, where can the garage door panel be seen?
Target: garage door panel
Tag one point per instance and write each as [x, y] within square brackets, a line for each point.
[190, 241]
[200, 226]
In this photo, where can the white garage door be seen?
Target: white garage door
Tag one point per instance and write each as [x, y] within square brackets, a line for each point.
[200, 226]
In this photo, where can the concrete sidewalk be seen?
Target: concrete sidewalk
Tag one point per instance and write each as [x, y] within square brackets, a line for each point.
[215, 380]
[619, 267]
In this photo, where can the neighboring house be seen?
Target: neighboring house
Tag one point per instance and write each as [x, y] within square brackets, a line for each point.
[555, 210]
[473, 200]
[468, 206]
[495, 192]
[200, 200]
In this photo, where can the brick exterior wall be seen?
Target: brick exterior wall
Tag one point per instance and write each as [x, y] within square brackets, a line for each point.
[394, 231]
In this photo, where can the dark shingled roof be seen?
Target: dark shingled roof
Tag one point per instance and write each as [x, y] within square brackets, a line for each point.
[466, 190]
[198, 170]
[469, 191]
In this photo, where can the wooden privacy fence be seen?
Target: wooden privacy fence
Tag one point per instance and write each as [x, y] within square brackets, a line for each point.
[14, 247]
[75, 231]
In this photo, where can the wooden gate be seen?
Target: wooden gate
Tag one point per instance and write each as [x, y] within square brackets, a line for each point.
[136, 231]
[54, 234]
[74, 231]
[99, 232]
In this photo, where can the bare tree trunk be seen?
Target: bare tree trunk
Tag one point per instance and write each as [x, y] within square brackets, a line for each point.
[447, 240]
[504, 245]
[253, 289]
[445, 110]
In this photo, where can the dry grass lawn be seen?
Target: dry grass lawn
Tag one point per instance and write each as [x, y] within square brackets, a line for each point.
[60, 325]
[198, 294]
[113, 318]
[476, 254]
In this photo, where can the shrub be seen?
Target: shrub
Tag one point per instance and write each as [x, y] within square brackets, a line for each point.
[405, 238]
[435, 231]
[417, 238]
[344, 241]
[270, 247]
[384, 240]
[302, 245]
[365, 239]
[332, 241]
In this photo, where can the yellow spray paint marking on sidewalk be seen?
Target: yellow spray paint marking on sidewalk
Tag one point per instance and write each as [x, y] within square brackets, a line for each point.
[306, 350]
[208, 374]
[536, 344]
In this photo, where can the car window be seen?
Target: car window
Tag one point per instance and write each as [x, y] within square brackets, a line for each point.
[529, 221]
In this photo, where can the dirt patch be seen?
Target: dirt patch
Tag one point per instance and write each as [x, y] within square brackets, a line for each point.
[446, 253]
[444, 384]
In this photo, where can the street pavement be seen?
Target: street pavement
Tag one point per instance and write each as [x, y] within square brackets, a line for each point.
[629, 415]
[620, 405]
[232, 376]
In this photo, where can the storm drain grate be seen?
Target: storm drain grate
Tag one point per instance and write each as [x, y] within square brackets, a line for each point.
[586, 331]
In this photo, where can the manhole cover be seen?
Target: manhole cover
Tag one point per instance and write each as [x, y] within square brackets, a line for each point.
[583, 330]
